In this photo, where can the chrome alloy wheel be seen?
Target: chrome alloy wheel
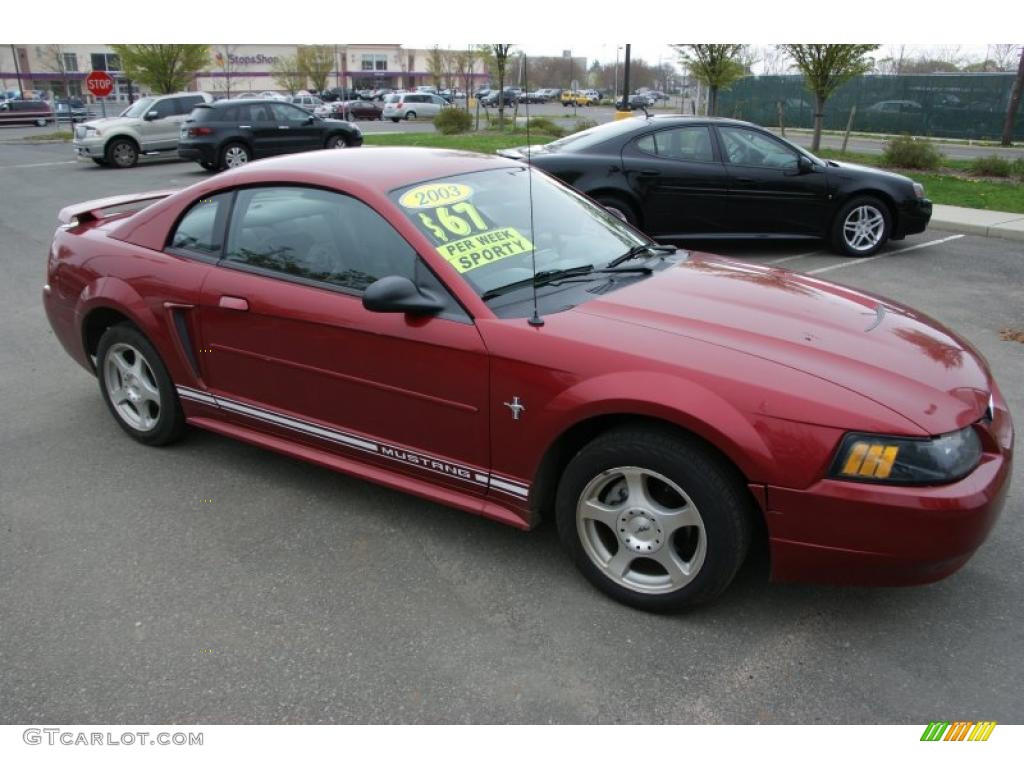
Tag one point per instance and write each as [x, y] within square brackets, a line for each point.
[131, 387]
[864, 228]
[236, 156]
[641, 530]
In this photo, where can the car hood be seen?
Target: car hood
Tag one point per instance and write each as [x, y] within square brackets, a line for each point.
[853, 169]
[877, 348]
[106, 123]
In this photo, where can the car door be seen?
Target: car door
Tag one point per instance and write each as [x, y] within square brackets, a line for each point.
[261, 124]
[291, 351]
[769, 193]
[680, 181]
[298, 129]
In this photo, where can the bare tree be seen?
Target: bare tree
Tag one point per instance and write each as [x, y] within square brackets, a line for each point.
[500, 53]
[1003, 56]
[435, 64]
[825, 68]
[774, 60]
[1011, 110]
[53, 55]
[287, 75]
[893, 61]
[224, 57]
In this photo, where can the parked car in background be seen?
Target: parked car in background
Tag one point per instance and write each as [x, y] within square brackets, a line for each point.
[667, 411]
[340, 94]
[569, 98]
[70, 110]
[306, 101]
[409, 106]
[151, 127]
[17, 111]
[534, 97]
[273, 95]
[359, 109]
[228, 134]
[681, 178]
[491, 99]
[636, 101]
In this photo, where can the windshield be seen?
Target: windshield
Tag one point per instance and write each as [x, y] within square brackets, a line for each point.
[480, 224]
[139, 108]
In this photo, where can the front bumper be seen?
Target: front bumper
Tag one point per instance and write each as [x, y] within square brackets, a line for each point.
[913, 217]
[871, 534]
[89, 148]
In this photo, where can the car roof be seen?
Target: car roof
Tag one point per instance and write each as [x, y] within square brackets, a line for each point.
[382, 168]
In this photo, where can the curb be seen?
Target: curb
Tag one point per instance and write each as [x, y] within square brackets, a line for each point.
[967, 221]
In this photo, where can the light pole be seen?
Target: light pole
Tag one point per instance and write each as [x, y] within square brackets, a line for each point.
[615, 90]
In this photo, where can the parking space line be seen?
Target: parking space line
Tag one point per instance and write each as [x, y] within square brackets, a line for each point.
[784, 259]
[40, 165]
[854, 262]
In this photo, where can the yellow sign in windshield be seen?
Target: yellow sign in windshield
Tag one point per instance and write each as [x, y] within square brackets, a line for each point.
[433, 195]
[484, 248]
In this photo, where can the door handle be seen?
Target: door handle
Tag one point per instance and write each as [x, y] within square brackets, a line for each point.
[245, 126]
[284, 127]
[744, 179]
[650, 173]
[234, 302]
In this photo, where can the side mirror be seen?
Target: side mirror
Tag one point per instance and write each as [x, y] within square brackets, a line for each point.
[804, 164]
[310, 120]
[399, 294]
[152, 115]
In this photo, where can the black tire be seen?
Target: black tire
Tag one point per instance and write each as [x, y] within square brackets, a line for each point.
[716, 489]
[170, 421]
[100, 162]
[208, 166]
[230, 149]
[395, 119]
[410, 115]
[41, 122]
[839, 237]
[350, 117]
[122, 153]
[620, 208]
[337, 141]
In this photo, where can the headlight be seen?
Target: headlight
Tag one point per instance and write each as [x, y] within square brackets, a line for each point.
[919, 190]
[90, 131]
[906, 460]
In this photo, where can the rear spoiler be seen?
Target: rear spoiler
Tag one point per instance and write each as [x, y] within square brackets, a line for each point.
[92, 210]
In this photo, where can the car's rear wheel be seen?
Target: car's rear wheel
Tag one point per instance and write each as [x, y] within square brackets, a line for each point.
[122, 153]
[137, 388]
[861, 227]
[654, 519]
[41, 122]
[396, 119]
[336, 142]
[350, 117]
[234, 155]
[410, 115]
[619, 207]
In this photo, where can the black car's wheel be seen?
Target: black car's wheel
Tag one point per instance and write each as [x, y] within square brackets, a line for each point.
[208, 166]
[336, 142]
[620, 208]
[122, 153]
[654, 519]
[396, 119]
[410, 115]
[137, 388]
[234, 155]
[861, 227]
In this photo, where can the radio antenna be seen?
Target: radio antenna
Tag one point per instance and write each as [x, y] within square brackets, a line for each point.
[535, 319]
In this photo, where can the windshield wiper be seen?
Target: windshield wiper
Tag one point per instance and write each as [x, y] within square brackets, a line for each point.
[640, 250]
[548, 276]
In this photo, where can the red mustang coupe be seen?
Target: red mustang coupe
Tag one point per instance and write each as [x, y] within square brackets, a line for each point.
[409, 317]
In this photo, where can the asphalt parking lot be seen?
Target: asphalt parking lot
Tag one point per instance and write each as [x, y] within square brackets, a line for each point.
[213, 582]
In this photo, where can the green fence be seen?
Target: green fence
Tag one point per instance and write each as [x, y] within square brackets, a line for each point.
[948, 106]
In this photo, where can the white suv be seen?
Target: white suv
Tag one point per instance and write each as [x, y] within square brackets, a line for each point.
[409, 106]
[151, 126]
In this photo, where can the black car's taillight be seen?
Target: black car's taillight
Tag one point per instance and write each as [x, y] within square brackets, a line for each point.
[200, 131]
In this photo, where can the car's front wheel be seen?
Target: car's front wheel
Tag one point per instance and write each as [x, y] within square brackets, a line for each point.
[137, 388]
[861, 227]
[336, 142]
[654, 519]
[122, 153]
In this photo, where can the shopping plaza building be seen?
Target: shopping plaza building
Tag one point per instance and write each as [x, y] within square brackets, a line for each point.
[45, 69]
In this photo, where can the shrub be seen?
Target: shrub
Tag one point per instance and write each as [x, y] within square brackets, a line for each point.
[907, 152]
[545, 126]
[453, 120]
[1017, 169]
[993, 165]
[583, 123]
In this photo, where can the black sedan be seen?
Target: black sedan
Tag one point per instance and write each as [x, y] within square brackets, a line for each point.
[230, 133]
[704, 178]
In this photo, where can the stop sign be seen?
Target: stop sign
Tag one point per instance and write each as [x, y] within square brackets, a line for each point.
[99, 83]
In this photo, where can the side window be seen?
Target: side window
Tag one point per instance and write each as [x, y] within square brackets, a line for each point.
[316, 235]
[200, 229]
[689, 143]
[165, 108]
[187, 103]
[287, 113]
[744, 146]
